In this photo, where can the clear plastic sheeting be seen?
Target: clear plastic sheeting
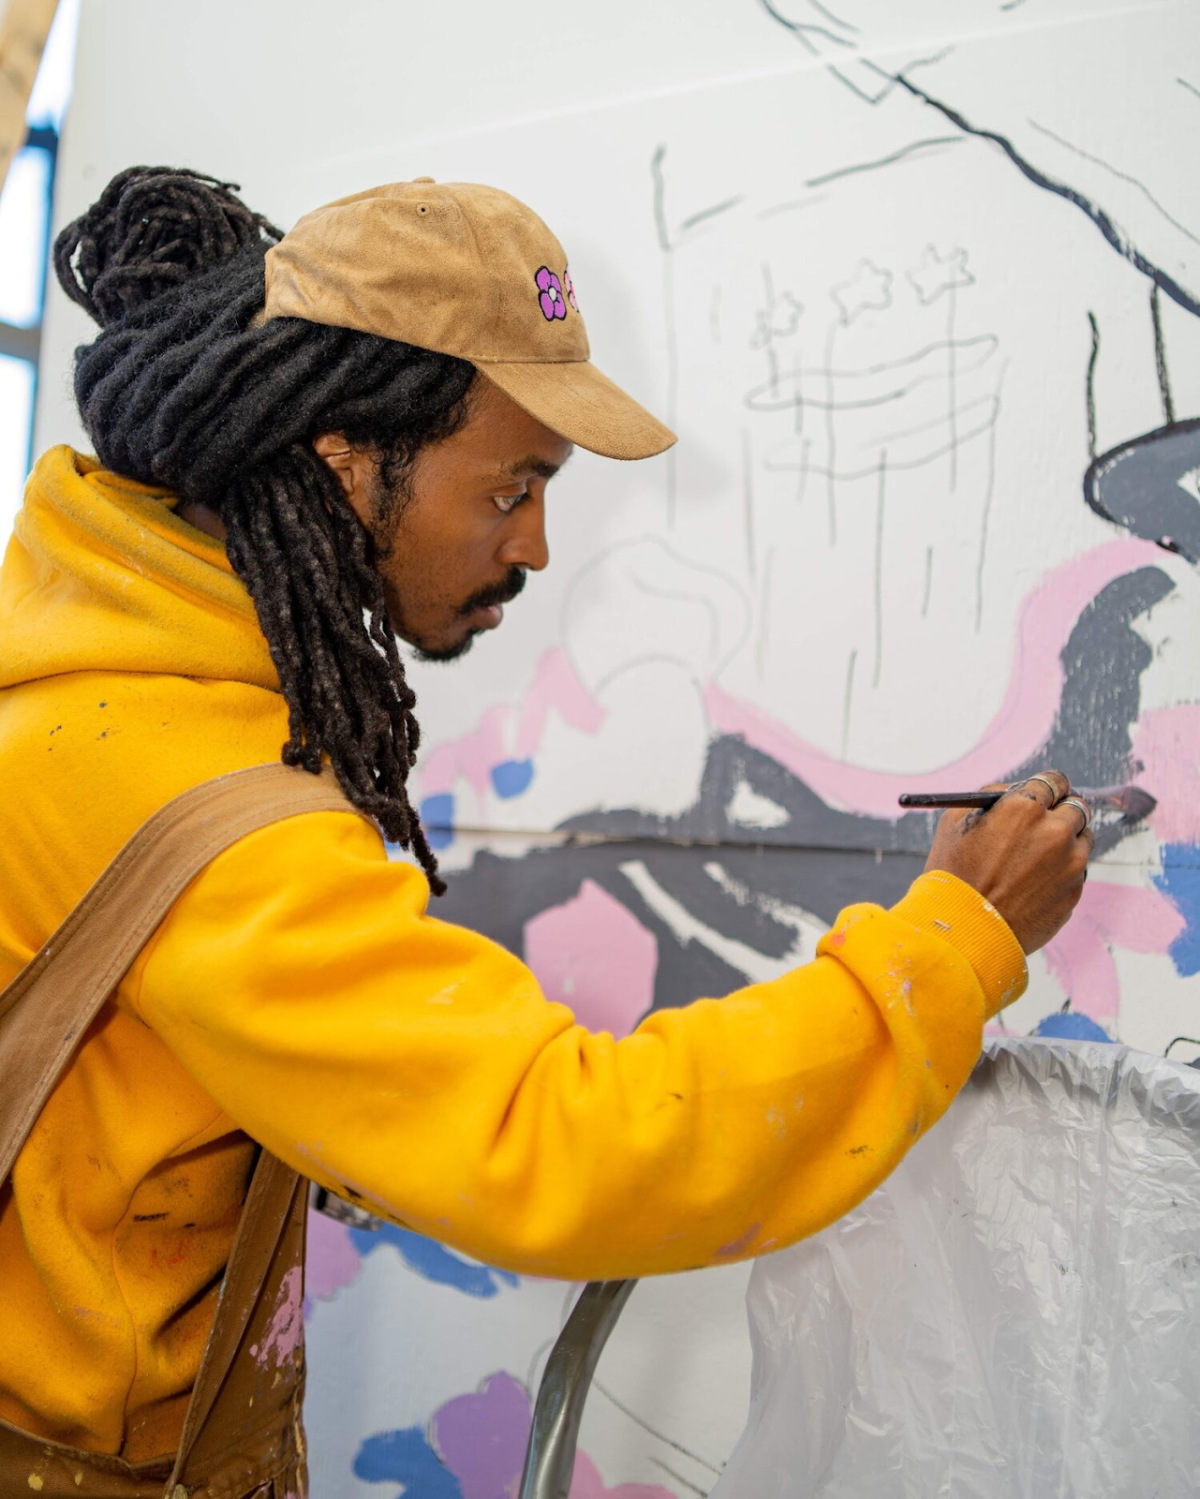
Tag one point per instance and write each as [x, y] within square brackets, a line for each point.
[1014, 1314]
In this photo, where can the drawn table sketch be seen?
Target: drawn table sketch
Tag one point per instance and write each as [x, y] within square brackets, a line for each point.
[918, 287]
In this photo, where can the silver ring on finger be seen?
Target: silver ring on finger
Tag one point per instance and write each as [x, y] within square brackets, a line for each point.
[1080, 806]
[1049, 785]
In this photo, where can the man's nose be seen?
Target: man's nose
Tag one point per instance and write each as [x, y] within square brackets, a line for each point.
[526, 545]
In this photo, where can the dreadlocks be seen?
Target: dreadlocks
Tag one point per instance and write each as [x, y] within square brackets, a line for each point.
[182, 389]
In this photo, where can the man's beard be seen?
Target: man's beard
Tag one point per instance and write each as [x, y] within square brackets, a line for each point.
[499, 593]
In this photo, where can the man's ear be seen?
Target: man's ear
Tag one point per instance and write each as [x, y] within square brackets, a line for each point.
[351, 467]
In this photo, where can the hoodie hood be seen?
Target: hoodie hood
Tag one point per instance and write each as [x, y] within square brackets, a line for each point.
[101, 575]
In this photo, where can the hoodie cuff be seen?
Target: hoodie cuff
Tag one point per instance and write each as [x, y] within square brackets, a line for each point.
[947, 907]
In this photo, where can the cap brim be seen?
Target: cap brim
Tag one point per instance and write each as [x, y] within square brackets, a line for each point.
[579, 403]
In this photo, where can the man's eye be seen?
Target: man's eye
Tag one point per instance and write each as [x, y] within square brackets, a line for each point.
[506, 502]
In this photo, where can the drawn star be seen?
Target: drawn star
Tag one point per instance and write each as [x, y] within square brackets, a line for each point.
[869, 287]
[936, 274]
[780, 320]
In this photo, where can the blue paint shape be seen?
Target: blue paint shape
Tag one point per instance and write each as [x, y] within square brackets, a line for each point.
[512, 777]
[433, 1261]
[405, 1457]
[1180, 883]
[1069, 1026]
[437, 818]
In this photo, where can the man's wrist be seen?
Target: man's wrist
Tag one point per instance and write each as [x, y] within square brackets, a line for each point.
[941, 903]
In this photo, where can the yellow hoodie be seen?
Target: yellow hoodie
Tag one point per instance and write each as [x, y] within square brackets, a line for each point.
[299, 995]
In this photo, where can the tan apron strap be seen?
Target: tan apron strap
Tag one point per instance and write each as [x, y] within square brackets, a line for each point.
[269, 1204]
[48, 1007]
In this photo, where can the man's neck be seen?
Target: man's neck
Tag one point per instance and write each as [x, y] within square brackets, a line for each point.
[203, 518]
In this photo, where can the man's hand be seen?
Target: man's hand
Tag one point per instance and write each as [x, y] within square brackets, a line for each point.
[1028, 855]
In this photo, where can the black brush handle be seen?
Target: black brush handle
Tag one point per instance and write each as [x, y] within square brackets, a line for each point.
[981, 799]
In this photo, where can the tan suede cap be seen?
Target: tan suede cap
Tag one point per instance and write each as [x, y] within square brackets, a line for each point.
[465, 270]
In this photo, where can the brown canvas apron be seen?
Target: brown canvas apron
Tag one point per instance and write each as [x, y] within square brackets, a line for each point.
[242, 1434]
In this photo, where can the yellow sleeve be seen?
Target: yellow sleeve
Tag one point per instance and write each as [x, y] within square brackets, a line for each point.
[416, 1066]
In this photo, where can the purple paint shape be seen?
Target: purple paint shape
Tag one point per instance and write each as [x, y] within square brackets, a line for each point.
[1021, 725]
[332, 1262]
[594, 956]
[482, 1437]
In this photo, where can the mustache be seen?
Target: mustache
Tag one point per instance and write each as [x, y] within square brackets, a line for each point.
[499, 593]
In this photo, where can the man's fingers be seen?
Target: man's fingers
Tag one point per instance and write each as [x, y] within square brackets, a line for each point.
[1077, 813]
[1048, 787]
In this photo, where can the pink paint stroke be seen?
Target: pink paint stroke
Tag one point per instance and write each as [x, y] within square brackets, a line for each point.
[472, 756]
[586, 1483]
[1166, 741]
[285, 1334]
[556, 686]
[594, 956]
[1108, 916]
[1021, 725]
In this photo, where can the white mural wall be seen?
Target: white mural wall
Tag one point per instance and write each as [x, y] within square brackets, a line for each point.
[918, 286]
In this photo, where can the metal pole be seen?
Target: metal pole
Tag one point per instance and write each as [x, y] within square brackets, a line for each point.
[558, 1410]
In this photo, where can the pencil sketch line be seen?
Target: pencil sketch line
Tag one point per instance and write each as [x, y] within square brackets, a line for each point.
[1160, 359]
[879, 498]
[831, 434]
[802, 482]
[678, 1477]
[829, 16]
[658, 177]
[928, 581]
[1011, 4]
[1098, 217]
[651, 658]
[673, 596]
[748, 503]
[922, 353]
[808, 202]
[764, 630]
[986, 516]
[1091, 385]
[846, 701]
[900, 433]
[660, 1436]
[798, 402]
[754, 398]
[1116, 172]
[801, 29]
[1191, 87]
[952, 382]
[709, 213]
[660, 199]
[863, 66]
[849, 476]
[904, 152]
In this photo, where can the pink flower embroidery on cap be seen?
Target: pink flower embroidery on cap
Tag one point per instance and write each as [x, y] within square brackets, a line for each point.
[550, 294]
[569, 288]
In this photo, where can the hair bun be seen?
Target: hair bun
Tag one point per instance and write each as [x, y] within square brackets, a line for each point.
[151, 229]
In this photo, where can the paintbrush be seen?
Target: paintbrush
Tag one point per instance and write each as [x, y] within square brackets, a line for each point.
[1130, 801]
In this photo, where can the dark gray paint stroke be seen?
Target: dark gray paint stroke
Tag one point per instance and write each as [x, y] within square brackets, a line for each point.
[1137, 485]
[821, 859]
